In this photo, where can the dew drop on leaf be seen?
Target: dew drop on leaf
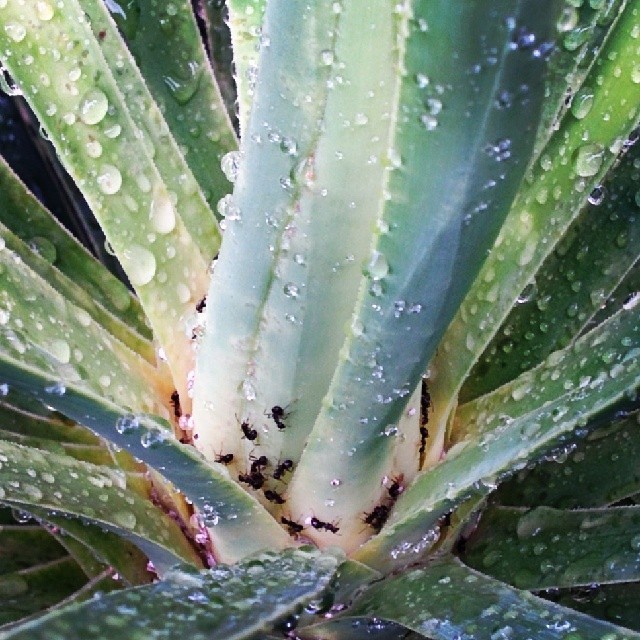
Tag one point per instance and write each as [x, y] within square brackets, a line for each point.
[15, 31]
[109, 179]
[589, 160]
[162, 214]
[140, 265]
[44, 10]
[93, 106]
[230, 165]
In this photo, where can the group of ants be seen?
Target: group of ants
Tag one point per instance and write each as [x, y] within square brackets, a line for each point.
[255, 477]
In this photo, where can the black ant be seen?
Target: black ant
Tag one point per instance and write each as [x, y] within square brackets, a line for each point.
[282, 468]
[225, 458]
[396, 488]
[292, 526]
[327, 526]
[249, 433]
[259, 463]
[425, 403]
[274, 496]
[278, 414]
[424, 434]
[175, 403]
[200, 307]
[254, 479]
[377, 517]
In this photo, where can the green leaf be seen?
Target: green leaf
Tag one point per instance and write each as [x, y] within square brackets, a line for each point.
[29, 591]
[617, 603]
[433, 230]
[543, 548]
[238, 525]
[99, 495]
[555, 190]
[289, 307]
[106, 547]
[40, 325]
[215, 16]
[629, 286]
[227, 602]
[149, 116]
[595, 254]
[182, 83]
[24, 216]
[126, 179]
[596, 470]
[245, 23]
[583, 31]
[509, 428]
[22, 546]
[448, 600]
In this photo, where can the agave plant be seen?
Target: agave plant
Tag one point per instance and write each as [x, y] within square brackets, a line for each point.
[377, 370]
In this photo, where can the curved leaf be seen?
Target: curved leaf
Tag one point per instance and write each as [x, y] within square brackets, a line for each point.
[595, 254]
[616, 603]
[33, 590]
[35, 226]
[238, 525]
[106, 548]
[40, 324]
[599, 469]
[165, 41]
[287, 310]
[513, 426]
[447, 600]
[227, 602]
[555, 190]
[543, 548]
[126, 178]
[245, 23]
[66, 486]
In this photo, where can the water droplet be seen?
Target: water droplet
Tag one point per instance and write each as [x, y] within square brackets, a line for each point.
[151, 439]
[357, 327]
[183, 293]
[582, 103]
[230, 165]
[125, 519]
[93, 106]
[15, 31]
[632, 301]
[291, 290]
[596, 197]
[289, 146]
[378, 266]
[589, 160]
[44, 10]
[57, 389]
[360, 119]
[248, 390]
[59, 349]
[139, 264]
[568, 19]
[109, 179]
[422, 80]
[184, 85]
[326, 57]
[428, 121]
[94, 149]
[162, 214]
[127, 424]
[113, 131]
[635, 74]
